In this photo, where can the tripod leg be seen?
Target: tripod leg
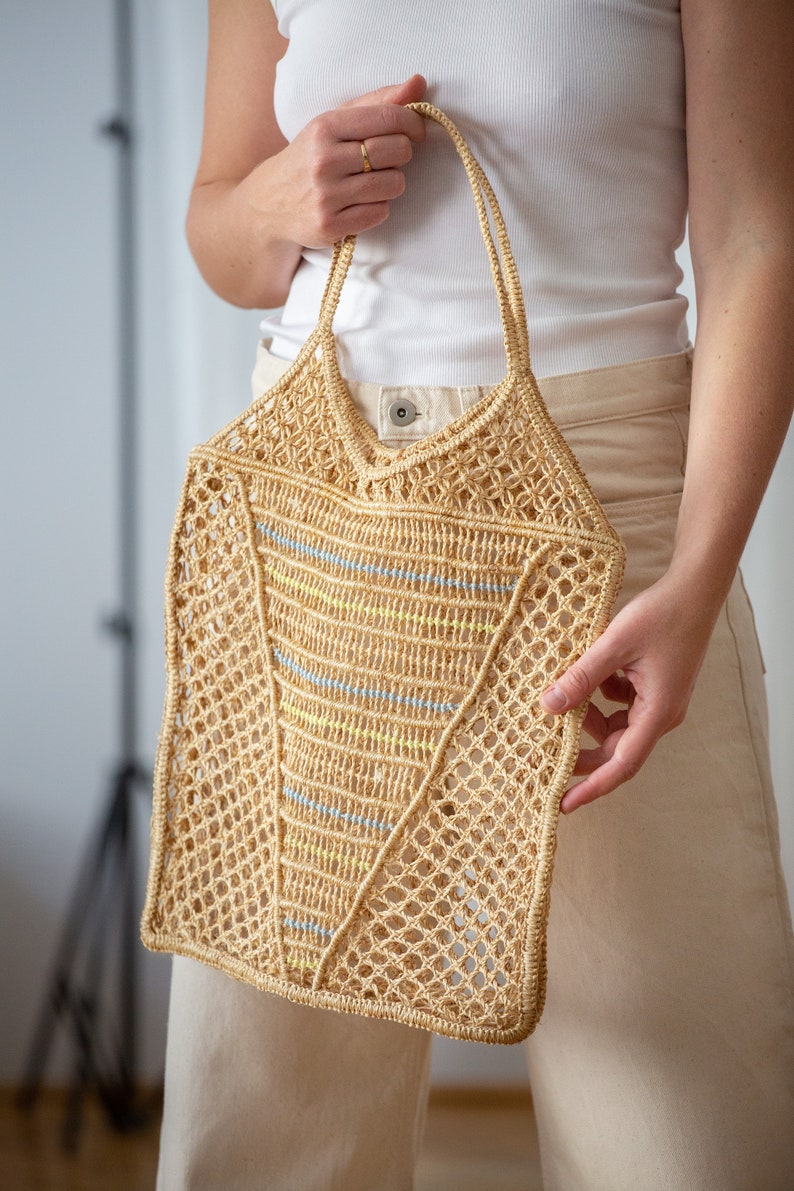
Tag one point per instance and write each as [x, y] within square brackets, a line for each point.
[128, 959]
[116, 1065]
[57, 1001]
[83, 1017]
[104, 908]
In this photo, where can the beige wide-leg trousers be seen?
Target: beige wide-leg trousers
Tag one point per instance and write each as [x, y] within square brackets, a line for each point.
[665, 1057]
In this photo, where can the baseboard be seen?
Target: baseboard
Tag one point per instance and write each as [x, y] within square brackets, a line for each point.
[480, 1096]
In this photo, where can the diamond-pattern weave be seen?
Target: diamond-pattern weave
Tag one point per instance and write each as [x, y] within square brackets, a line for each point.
[357, 791]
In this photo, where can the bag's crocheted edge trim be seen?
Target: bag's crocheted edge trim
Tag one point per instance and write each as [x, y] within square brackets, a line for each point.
[360, 1006]
[533, 983]
[533, 951]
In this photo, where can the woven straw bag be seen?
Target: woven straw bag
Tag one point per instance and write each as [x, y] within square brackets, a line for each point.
[357, 793]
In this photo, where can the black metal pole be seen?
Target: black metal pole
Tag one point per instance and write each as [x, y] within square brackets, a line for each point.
[128, 522]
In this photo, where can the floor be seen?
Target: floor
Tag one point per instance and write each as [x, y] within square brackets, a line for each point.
[474, 1141]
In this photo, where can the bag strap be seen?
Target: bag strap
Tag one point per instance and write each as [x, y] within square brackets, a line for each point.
[503, 266]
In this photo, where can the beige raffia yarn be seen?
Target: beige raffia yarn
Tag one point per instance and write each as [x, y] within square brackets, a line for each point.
[356, 790]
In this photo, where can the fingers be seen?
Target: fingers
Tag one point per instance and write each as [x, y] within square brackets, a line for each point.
[380, 186]
[382, 112]
[617, 689]
[617, 761]
[381, 120]
[647, 659]
[625, 738]
[346, 202]
[410, 91]
[584, 677]
[358, 218]
[600, 727]
[340, 189]
[384, 152]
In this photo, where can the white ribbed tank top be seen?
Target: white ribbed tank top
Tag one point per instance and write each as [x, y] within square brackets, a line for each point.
[575, 109]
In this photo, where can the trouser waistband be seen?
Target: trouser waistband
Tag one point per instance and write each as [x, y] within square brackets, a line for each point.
[575, 398]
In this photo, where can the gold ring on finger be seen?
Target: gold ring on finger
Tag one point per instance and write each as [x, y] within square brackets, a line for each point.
[365, 155]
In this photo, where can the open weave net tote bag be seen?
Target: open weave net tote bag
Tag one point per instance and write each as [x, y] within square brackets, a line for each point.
[356, 789]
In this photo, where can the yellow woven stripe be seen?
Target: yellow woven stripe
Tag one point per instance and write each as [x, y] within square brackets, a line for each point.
[391, 613]
[369, 733]
[301, 963]
[291, 842]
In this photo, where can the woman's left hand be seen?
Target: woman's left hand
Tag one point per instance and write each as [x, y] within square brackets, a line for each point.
[647, 659]
[739, 127]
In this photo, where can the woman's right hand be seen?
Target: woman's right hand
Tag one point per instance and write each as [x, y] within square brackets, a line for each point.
[318, 189]
[258, 200]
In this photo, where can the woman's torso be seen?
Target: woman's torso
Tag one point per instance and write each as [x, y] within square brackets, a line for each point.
[575, 109]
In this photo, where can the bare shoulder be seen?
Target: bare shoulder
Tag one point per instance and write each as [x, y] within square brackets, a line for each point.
[240, 128]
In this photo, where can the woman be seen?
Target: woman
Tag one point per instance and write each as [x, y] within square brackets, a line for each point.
[664, 1058]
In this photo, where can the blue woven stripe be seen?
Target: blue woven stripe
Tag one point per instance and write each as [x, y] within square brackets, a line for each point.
[369, 692]
[329, 810]
[352, 564]
[318, 930]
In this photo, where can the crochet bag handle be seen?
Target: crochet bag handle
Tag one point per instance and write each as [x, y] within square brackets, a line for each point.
[503, 266]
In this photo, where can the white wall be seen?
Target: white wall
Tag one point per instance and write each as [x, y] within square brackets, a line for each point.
[57, 322]
[57, 345]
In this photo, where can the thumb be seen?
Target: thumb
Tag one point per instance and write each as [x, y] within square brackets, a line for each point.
[410, 91]
[579, 682]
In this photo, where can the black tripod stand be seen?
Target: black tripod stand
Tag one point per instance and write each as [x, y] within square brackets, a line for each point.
[102, 918]
[96, 957]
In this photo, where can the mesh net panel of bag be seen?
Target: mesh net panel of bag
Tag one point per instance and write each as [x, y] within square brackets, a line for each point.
[358, 787]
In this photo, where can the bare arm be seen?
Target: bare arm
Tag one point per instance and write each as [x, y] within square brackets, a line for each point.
[740, 133]
[257, 200]
[740, 125]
